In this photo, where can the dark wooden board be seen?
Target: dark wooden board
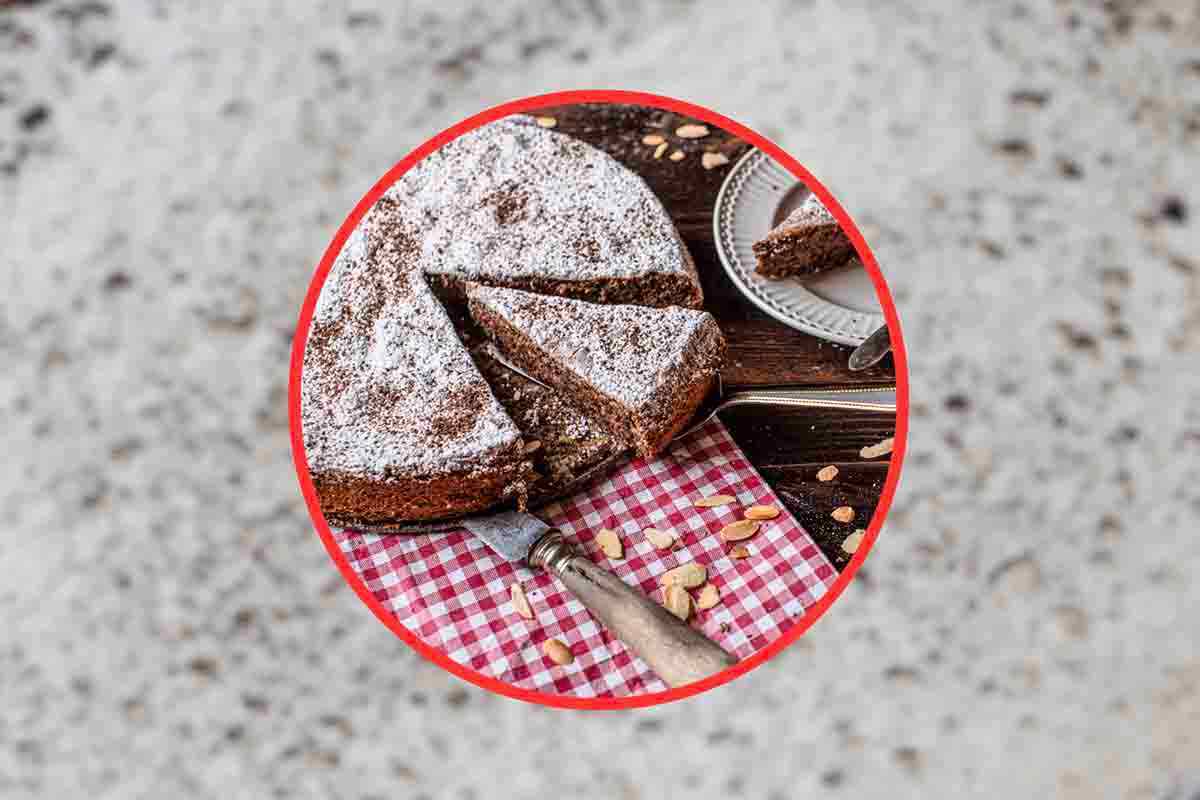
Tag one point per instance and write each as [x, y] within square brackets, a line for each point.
[787, 447]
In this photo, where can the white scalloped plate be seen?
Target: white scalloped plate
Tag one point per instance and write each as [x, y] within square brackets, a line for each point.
[838, 306]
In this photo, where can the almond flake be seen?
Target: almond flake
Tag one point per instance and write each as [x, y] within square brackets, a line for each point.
[547, 122]
[739, 551]
[557, 652]
[663, 540]
[713, 160]
[652, 139]
[533, 446]
[610, 543]
[877, 450]
[826, 474]
[691, 131]
[678, 601]
[843, 514]
[708, 597]
[715, 500]
[520, 602]
[742, 529]
[662, 148]
[851, 542]
[761, 512]
[676, 156]
[689, 576]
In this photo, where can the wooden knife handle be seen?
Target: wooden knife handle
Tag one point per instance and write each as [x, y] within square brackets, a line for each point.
[677, 652]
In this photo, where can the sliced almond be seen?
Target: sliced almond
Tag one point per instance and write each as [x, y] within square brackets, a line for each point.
[662, 148]
[712, 501]
[708, 597]
[663, 540]
[761, 512]
[533, 446]
[547, 122]
[739, 551]
[713, 160]
[877, 450]
[520, 602]
[557, 652]
[742, 529]
[843, 514]
[652, 139]
[676, 156]
[850, 543]
[826, 474]
[610, 543]
[678, 601]
[689, 576]
[691, 131]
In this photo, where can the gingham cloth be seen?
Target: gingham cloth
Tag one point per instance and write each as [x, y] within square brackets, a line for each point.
[453, 592]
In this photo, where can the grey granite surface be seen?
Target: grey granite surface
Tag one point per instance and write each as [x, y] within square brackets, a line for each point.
[1026, 172]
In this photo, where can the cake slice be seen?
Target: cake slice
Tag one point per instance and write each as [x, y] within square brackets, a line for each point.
[399, 425]
[641, 371]
[809, 240]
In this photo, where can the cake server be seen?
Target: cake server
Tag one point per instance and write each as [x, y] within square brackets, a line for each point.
[677, 652]
[872, 398]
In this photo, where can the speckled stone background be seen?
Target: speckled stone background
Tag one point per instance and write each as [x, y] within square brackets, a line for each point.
[1026, 172]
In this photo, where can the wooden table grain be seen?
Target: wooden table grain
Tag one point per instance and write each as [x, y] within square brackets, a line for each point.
[788, 447]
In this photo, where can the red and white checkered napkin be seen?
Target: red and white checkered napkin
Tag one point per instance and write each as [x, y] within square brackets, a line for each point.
[453, 592]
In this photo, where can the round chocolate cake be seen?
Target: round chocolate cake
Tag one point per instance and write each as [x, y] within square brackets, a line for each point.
[400, 422]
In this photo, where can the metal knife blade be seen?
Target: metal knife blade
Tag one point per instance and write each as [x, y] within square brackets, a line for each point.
[872, 350]
[510, 534]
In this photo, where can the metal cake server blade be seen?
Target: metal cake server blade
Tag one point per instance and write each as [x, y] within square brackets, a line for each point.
[677, 652]
[875, 398]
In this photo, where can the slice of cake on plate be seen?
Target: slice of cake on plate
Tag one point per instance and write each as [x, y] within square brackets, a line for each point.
[641, 371]
[808, 241]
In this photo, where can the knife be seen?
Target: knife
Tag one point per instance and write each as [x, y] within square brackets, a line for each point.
[677, 652]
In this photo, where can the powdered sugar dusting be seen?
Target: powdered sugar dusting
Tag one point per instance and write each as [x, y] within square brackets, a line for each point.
[811, 212]
[512, 200]
[624, 351]
[387, 385]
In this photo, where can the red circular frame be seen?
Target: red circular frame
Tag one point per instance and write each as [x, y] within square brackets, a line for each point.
[529, 104]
